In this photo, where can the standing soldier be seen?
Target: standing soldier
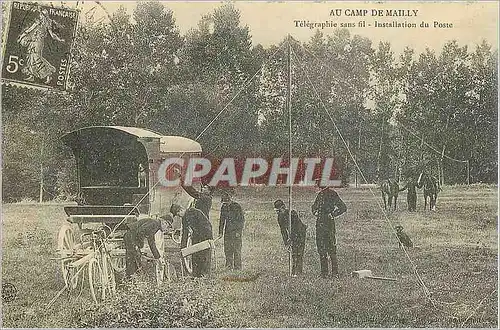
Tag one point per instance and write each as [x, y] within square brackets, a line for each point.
[326, 207]
[411, 197]
[295, 241]
[231, 226]
[193, 219]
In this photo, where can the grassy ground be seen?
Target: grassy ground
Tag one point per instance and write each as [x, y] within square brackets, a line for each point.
[455, 256]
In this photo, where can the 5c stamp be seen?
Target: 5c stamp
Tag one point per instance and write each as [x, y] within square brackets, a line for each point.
[38, 45]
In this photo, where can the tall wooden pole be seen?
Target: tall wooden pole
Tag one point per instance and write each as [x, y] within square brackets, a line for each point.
[41, 173]
[468, 172]
[289, 103]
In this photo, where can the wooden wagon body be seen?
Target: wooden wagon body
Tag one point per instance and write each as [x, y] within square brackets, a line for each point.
[118, 172]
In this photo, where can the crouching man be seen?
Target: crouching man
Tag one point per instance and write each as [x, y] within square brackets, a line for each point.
[195, 221]
[144, 228]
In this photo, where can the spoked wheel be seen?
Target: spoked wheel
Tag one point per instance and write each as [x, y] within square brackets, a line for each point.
[188, 260]
[118, 264]
[66, 243]
[96, 281]
[176, 236]
[117, 253]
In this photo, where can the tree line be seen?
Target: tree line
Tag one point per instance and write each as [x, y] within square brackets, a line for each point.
[396, 113]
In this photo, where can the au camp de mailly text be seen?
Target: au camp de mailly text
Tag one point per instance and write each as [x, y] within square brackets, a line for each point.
[375, 12]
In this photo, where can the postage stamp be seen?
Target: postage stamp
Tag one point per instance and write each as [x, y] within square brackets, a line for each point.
[250, 164]
[37, 49]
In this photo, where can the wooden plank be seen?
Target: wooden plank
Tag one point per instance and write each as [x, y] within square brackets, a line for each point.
[196, 248]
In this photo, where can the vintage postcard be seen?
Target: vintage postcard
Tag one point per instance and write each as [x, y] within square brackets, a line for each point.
[249, 164]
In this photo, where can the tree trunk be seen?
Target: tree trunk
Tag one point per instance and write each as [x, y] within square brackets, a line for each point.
[441, 174]
[41, 173]
[380, 152]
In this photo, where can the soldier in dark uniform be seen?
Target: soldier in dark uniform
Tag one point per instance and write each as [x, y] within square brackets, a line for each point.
[232, 221]
[326, 207]
[193, 219]
[411, 197]
[296, 241]
[144, 228]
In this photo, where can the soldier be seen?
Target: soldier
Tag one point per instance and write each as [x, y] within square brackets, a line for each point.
[232, 221]
[193, 219]
[411, 197]
[326, 207]
[296, 241]
[144, 228]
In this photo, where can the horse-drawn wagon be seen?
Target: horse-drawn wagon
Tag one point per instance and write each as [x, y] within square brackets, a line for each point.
[118, 170]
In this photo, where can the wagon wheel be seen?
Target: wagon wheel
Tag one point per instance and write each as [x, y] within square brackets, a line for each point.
[66, 243]
[118, 263]
[188, 260]
[97, 287]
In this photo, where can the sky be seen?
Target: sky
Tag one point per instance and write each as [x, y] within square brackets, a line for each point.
[270, 22]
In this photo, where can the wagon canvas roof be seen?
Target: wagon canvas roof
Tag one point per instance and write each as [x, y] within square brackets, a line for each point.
[168, 143]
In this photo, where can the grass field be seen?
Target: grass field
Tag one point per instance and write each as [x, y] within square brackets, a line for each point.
[455, 255]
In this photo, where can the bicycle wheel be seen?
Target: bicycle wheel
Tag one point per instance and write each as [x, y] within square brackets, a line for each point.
[66, 243]
[97, 288]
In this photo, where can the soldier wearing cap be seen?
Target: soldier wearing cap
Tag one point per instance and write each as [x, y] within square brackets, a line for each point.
[201, 229]
[232, 221]
[326, 207]
[294, 240]
[144, 228]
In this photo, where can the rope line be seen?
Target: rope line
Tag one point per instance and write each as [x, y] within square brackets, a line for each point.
[424, 287]
[245, 84]
[290, 171]
[430, 146]
[399, 122]
[196, 139]
[477, 307]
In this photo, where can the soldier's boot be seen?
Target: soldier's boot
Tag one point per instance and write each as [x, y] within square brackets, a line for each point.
[323, 261]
